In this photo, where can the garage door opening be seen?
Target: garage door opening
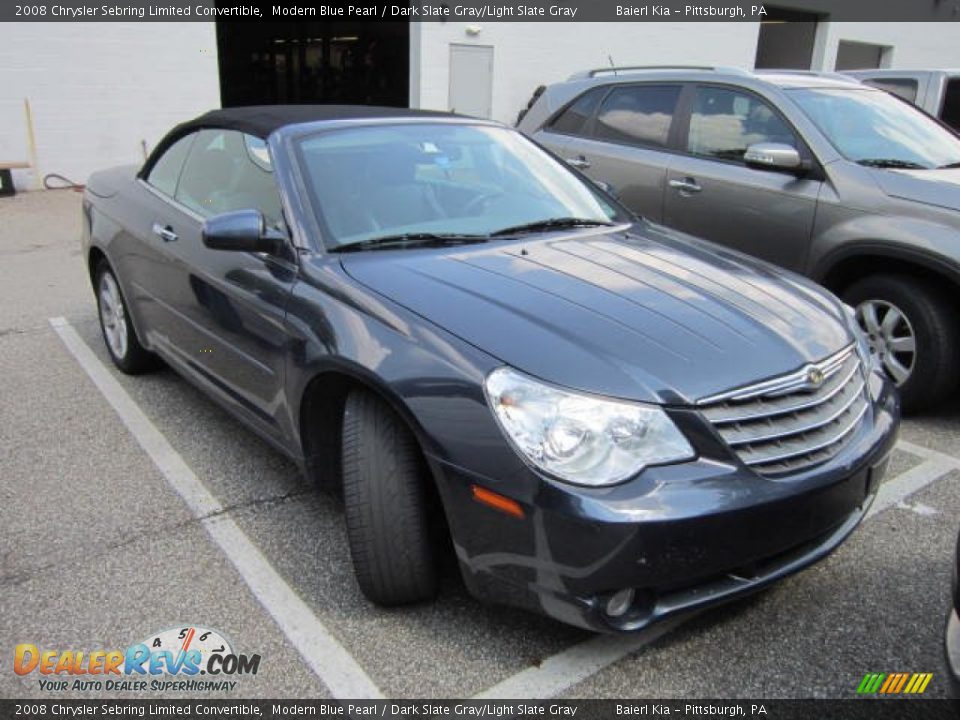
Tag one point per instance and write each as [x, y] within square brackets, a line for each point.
[786, 39]
[314, 62]
[861, 56]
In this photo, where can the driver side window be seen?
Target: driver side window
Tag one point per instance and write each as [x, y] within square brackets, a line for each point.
[228, 170]
[725, 122]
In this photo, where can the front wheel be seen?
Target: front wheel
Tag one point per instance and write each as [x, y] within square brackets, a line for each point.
[385, 501]
[912, 334]
[122, 343]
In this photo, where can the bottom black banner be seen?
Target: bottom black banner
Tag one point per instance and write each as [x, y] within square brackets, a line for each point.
[868, 709]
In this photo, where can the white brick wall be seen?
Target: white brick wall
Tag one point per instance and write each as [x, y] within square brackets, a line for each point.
[99, 90]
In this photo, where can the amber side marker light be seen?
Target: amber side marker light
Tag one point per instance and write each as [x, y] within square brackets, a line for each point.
[497, 501]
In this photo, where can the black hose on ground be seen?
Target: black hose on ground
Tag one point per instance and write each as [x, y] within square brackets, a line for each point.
[66, 183]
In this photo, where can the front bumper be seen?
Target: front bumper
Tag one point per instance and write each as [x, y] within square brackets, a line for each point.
[683, 537]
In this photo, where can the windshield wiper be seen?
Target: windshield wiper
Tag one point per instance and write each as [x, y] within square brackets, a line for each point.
[550, 224]
[892, 163]
[406, 240]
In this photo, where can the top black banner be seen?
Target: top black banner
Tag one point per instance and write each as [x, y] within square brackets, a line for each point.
[470, 10]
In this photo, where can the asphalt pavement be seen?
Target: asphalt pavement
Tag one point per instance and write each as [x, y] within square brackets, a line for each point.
[130, 505]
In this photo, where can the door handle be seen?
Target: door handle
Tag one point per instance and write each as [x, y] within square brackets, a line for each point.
[580, 163]
[165, 233]
[688, 185]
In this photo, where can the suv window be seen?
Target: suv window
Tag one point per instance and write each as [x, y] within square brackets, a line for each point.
[901, 87]
[725, 122]
[572, 120]
[950, 113]
[638, 114]
[166, 170]
[227, 170]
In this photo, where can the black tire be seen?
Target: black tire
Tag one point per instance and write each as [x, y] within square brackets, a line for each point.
[386, 504]
[937, 360]
[132, 358]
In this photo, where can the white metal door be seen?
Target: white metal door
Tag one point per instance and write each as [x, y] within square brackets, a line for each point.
[471, 80]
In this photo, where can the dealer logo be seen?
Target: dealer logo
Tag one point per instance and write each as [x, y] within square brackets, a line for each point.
[171, 659]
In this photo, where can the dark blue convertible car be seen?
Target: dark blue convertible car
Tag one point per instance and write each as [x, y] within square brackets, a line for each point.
[608, 421]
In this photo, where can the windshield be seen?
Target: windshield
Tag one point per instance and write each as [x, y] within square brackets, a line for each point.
[873, 128]
[440, 179]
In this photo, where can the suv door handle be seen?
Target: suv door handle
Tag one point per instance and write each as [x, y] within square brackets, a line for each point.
[165, 233]
[686, 185]
[580, 163]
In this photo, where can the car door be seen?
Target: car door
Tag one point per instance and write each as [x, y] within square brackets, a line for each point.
[712, 193]
[625, 143]
[220, 315]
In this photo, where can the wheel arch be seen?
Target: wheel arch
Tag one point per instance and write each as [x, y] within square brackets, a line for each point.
[95, 256]
[320, 418]
[840, 270]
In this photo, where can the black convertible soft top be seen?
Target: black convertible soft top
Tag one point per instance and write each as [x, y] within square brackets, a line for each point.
[261, 120]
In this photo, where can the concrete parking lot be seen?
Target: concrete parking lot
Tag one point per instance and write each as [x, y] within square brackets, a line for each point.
[133, 505]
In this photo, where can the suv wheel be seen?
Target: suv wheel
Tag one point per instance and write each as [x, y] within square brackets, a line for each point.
[122, 343]
[385, 501]
[910, 329]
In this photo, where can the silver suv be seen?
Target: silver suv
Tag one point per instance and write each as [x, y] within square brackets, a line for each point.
[819, 174]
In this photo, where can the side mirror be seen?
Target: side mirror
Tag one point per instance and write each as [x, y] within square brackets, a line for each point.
[774, 156]
[241, 230]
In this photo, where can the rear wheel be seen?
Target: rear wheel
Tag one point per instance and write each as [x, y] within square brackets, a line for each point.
[385, 501]
[122, 343]
[911, 332]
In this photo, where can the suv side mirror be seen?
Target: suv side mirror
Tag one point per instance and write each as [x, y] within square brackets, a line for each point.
[241, 230]
[774, 156]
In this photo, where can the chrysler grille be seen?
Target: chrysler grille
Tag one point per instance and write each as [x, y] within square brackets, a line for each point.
[795, 421]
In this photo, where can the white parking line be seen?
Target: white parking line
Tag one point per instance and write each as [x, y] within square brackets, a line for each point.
[565, 669]
[568, 667]
[322, 652]
[916, 478]
[928, 453]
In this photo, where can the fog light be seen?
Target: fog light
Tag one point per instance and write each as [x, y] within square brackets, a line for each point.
[619, 602]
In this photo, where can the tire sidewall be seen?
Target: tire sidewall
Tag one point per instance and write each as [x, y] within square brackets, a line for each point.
[936, 347]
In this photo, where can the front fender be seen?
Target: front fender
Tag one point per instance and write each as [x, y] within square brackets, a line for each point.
[928, 244]
[433, 379]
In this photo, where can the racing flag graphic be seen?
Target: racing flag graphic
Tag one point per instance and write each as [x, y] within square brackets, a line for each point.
[894, 683]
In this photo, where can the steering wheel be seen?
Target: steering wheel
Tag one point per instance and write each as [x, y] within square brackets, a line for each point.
[476, 202]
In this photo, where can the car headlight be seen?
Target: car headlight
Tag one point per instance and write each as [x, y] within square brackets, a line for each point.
[582, 438]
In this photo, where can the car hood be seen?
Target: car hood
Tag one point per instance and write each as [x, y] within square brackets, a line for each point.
[931, 187]
[641, 314]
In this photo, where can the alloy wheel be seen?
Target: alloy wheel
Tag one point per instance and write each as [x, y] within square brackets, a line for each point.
[891, 337]
[112, 316]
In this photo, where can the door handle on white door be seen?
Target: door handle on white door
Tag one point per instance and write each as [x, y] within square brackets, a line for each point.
[686, 185]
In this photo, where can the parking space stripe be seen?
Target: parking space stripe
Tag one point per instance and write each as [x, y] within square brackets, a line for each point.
[928, 453]
[565, 669]
[916, 478]
[322, 652]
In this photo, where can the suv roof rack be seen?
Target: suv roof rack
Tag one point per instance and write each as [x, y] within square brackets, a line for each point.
[640, 68]
[809, 73]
